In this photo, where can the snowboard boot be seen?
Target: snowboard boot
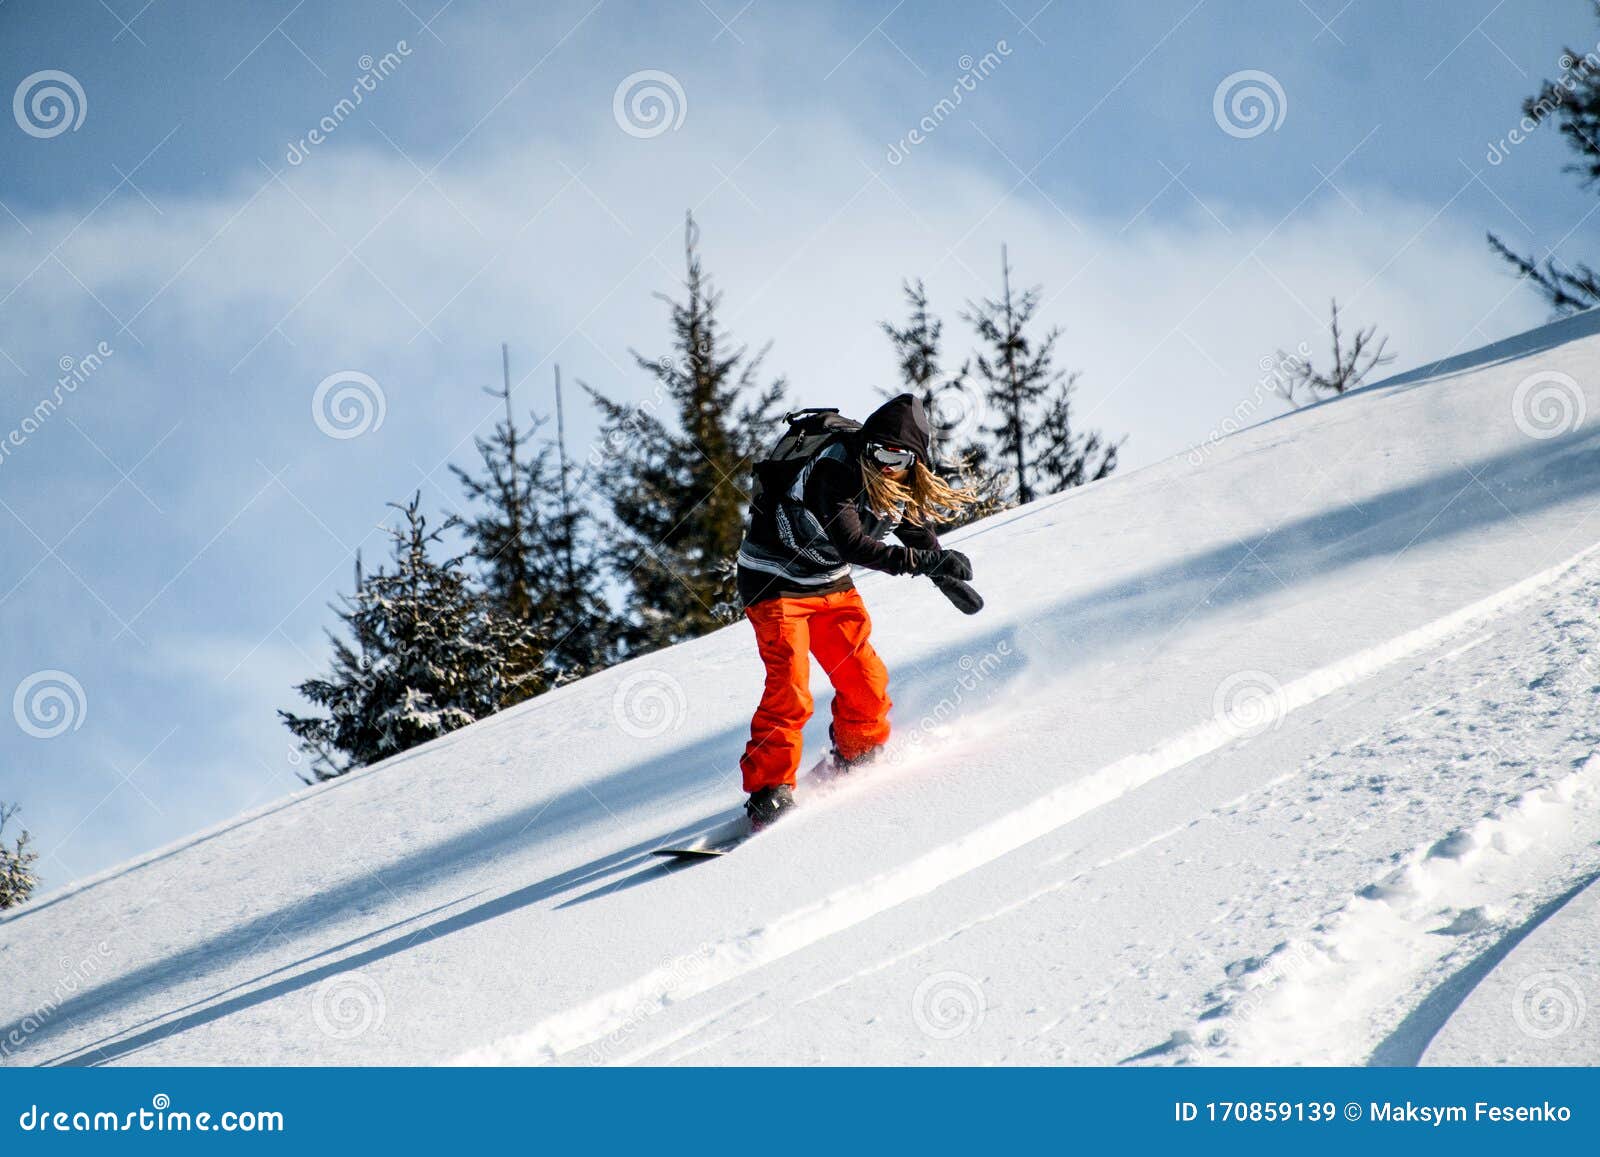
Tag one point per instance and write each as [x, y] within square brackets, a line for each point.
[767, 805]
[841, 765]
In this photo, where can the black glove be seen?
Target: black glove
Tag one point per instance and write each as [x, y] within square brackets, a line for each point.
[966, 600]
[941, 564]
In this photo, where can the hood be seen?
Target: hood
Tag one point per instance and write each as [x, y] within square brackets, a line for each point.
[901, 422]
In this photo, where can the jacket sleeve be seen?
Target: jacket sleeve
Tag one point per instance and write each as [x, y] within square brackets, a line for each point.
[831, 494]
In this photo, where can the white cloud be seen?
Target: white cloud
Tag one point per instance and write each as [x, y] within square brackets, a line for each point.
[808, 236]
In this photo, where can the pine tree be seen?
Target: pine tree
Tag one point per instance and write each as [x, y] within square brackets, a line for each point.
[529, 541]
[583, 630]
[1063, 457]
[1034, 437]
[951, 400]
[678, 480]
[1350, 367]
[427, 654]
[916, 346]
[17, 880]
[1573, 99]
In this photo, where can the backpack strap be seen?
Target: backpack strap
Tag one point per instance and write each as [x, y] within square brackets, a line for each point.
[809, 432]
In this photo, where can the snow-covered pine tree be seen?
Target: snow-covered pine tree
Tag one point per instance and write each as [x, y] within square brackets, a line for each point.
[427, 654]
[1350, 366]
[949, 398]
[17, 880]
[536, 561]
[1032, 399]
[678, 482]
[1573, 99]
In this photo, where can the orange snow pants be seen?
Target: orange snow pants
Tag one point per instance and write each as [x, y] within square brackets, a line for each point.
[834, 628]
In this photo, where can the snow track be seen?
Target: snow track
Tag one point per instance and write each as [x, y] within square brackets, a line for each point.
[1544, 981]
[1401, 934]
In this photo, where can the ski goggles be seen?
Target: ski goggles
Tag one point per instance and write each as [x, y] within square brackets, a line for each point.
[890, 458]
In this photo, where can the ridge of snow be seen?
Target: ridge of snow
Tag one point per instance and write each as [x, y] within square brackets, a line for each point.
[1585, 323]
[1391, 935]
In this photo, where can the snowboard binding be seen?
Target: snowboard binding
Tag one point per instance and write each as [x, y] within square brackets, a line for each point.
[766, 805]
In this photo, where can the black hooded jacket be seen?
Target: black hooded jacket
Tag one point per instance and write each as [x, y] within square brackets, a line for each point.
[803, 543]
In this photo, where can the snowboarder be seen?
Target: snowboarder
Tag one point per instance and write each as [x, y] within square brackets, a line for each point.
[824, 499]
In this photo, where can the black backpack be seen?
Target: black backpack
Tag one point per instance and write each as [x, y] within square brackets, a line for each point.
[810, 432]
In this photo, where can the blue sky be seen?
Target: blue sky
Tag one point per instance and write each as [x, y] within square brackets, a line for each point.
[172, 532]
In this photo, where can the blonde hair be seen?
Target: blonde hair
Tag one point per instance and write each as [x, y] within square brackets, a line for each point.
[926, 498]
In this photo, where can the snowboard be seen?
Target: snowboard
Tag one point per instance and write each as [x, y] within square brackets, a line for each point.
[719, 841]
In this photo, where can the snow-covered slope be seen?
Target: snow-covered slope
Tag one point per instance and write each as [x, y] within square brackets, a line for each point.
[1265, 753]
